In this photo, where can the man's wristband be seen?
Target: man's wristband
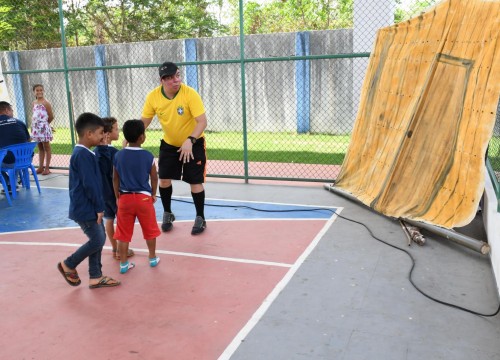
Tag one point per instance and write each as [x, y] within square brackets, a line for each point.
[192, 138]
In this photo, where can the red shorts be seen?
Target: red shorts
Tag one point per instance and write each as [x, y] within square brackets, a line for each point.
[130, 207]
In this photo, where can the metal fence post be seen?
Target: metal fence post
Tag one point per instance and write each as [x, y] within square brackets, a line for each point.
[66, 74]
[243, 92]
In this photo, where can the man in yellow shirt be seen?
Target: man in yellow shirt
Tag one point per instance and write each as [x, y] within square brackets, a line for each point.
[181, 114]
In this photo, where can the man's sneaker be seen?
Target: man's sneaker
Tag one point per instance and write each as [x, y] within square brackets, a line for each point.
[199, 226]
[168, 219]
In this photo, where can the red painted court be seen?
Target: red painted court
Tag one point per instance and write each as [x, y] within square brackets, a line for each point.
[204, 292]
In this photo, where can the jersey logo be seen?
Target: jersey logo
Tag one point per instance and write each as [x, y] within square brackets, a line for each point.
[180, 110]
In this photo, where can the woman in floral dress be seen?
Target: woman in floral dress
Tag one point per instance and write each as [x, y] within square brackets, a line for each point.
[41, 131]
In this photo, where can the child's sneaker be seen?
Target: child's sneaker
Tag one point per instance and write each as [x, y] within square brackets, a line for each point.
[124, 267]
[154, 261]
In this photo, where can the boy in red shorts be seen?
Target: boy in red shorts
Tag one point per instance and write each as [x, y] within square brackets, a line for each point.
[133, 168]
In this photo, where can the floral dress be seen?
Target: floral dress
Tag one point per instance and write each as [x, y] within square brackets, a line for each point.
[40, 127]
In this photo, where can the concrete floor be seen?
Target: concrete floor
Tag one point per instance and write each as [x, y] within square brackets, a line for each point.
[351, 298]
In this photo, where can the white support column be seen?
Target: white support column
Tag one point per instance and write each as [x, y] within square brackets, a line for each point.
[491, 218]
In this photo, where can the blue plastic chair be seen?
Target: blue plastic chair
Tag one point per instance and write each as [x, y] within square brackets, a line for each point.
[23, 154]
[3, 152]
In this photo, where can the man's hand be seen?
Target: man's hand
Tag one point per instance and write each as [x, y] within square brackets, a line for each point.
[186, 151]
[99, 217]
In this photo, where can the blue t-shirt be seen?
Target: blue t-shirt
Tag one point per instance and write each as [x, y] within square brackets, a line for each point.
[85, 185]
[105, 155]
[134, 165]
[12, 131]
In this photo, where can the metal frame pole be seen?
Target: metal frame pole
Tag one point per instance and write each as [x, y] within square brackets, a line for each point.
[66, 73]
[243, 91]
[464, 240]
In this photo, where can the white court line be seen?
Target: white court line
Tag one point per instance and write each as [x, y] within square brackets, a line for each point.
[231, 200]
[174, 253]
[259, 313]
[159, 222]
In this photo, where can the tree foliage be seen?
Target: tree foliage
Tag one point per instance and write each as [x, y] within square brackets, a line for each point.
[292, 15]
[414, 8]
[142, 20]
[88, 22]
[25, 24]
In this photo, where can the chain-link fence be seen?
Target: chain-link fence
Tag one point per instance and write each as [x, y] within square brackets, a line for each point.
[279, 106]
[291, 119]
[494, 151]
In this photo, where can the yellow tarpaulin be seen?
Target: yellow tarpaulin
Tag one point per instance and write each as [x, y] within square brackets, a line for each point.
[426, 114]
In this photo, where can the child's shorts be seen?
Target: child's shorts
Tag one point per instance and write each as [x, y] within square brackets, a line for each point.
[130, 207]
[110, 209]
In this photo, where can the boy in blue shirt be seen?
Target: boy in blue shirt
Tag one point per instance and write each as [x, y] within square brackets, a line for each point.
[86, 206]
[134, 167]
[105, 153]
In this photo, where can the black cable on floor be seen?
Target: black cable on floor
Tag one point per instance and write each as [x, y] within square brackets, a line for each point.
[411, 272]
[373, 236]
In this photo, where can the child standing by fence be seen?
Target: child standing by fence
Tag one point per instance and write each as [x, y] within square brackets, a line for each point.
[105, 153]
[133, 168]
[41, 131]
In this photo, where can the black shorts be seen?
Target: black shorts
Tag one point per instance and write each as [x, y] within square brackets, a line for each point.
[110, 209]
[192, 172]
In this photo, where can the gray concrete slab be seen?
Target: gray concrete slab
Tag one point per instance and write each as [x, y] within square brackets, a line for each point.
[351, 299]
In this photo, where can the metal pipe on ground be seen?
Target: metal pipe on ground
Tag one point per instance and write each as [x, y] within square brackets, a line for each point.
[464, 240]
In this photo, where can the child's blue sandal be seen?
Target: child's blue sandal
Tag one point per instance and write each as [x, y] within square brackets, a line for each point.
[124, 267]
[154, 261]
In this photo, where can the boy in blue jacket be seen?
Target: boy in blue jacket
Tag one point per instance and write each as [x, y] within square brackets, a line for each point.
[86, 205]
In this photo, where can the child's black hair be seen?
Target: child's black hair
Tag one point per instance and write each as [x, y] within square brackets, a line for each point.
[108, 123]
[4, 106]
[132, 129]
[88, 121]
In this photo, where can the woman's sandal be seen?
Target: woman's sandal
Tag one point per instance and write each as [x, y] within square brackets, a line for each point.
[106, 281]
[71, 278]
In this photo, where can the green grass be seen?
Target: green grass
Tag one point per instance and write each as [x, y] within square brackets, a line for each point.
[494, 153]
[262, 147]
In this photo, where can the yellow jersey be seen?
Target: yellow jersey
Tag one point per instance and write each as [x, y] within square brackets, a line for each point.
[177, 115]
